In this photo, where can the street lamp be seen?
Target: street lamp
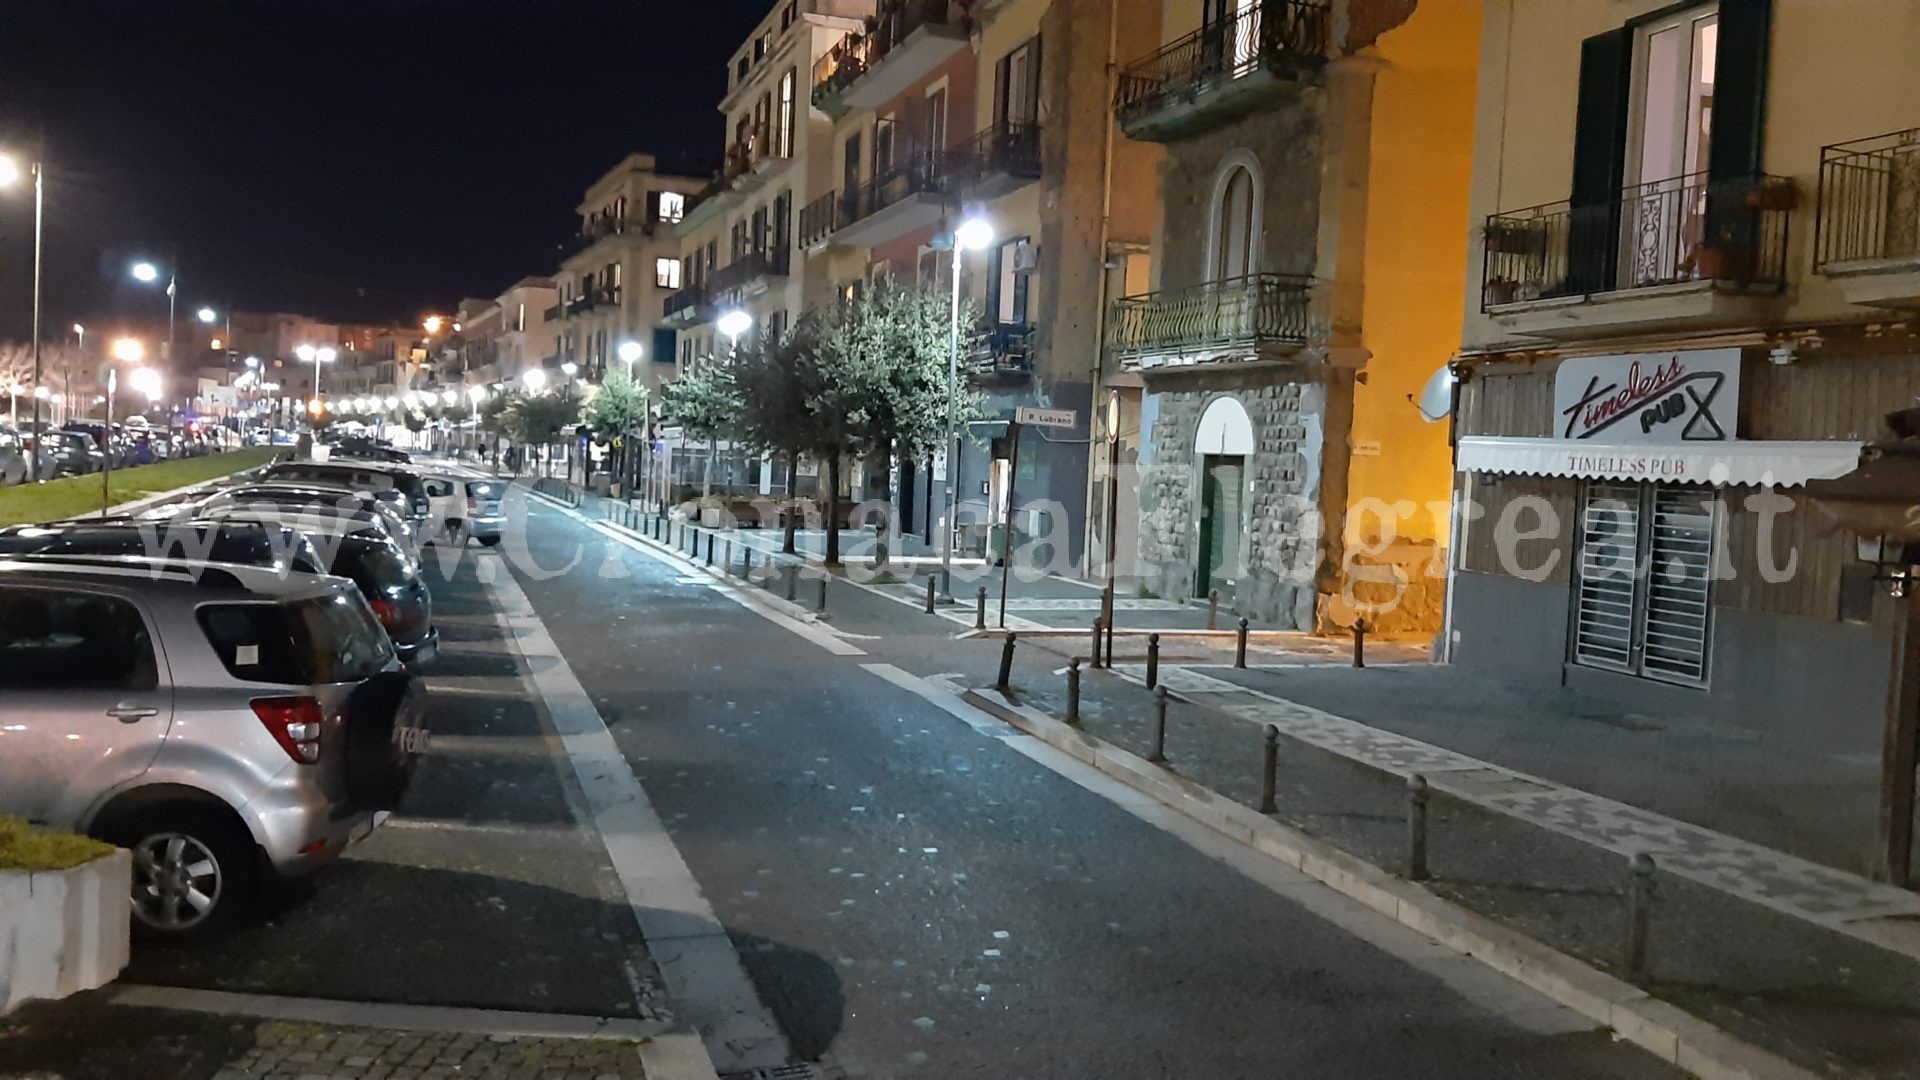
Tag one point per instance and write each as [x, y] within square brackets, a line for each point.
[147, 273]
[629, 353]
[973, 234]
[734, 323]
[570, 369]
[10, 174]
[307, 354]
[535, 379]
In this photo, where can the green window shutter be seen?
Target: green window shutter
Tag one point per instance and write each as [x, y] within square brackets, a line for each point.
[1740, 89]
[1599, 160]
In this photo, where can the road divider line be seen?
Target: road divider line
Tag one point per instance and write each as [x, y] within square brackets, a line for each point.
[706, 981]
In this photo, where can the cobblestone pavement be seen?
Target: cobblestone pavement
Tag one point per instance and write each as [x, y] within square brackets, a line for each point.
[1762, 875]
[288, 1051]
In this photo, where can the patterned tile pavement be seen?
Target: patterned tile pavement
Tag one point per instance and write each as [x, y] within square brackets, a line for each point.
[294, 1051]
[1793, 886]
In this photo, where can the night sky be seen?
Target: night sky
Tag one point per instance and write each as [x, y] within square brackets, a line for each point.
[348, 159]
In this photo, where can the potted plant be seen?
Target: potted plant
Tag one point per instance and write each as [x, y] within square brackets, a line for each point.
[1723, 259]
[1505, 236]
[64, 919]
[1500, 290]
[1772, 193]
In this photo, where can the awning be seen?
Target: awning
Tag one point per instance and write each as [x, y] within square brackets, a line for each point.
[1881, 499]
[1780, 464]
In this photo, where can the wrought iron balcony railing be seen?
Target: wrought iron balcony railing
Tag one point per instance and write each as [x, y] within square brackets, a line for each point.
[1869, 200]
[686, 303]
[919, 172]
[751, 267]
[1242, 312]
[1267, 32]
[1669, 232]
[1010, 148]
[819, 219]
[1002, 348]
[602, 226]
[857, 54]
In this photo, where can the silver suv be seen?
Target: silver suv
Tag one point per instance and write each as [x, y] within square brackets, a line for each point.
[221, 722]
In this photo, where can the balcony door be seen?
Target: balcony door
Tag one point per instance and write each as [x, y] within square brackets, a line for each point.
[1231, 33]
[1669, 126]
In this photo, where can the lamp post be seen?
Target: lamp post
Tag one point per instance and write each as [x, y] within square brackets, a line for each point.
[731, 323]
[310, 355]
[973, 234]
[629, 354]
[147, 273]
[125, 350]
[10, 173]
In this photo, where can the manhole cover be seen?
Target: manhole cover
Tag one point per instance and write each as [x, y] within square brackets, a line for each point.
[783, 1072]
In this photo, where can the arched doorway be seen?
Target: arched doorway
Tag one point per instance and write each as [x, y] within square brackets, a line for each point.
[1223, 443]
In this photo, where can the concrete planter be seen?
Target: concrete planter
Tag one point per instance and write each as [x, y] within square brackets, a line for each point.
[63, 931]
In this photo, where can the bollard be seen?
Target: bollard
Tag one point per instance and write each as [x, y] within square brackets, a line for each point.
[1417, 828]
[1269, 771]
[1159, 726]
[1006, 663]
[1639, 905]
[980, 612]
[931, 578]
[1240, 646]
[823, 592]
[1153, 660]
[1094, 659]
[1213, 610]
[726, 558]
[793, 580]
[1359, 643]
[710, 540]
[746, 562]
[1073, 692]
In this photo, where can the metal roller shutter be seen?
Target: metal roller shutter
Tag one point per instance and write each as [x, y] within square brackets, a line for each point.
[1642, 601]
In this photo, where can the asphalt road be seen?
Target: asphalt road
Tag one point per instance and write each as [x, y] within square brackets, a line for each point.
[910, 895]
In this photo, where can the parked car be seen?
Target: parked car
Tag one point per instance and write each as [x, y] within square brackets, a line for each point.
[240, 542]
[216, 720]
[361, 475]
[466, 508]
[387, 576]
[315, 497]
[13, 457]
[63, 453]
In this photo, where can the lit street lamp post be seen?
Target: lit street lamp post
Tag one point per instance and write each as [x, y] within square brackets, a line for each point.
[733, 324]
[973, 234]
[125, 350]
[629, 461]
[147, 273]
[310, 355]
[10, 175]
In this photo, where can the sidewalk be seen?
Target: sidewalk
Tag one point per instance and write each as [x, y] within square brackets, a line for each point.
[1812, 964]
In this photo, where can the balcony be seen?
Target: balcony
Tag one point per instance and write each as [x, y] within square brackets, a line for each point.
[1867, 240]
[818, 220]
[908, 197]
[1001, 349]
[687, 308]
[751, 274]
[708, 203]
[1259, 317]
[1225, 71]
[905, 41]
[599, 228]
[751, 162]
[554, 313]
[1673, 254]
[1002, 159]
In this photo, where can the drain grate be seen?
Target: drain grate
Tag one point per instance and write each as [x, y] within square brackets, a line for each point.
[783, 1072]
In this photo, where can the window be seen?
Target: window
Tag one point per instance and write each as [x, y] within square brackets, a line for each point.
[73, 640]
[1642, 582]
[1236, 223]
[666, 273]
[322, 640]
[663, 345]
[783, 134]
[1008, 287]
[1673, 96]
[883, 145]
[673, 206]
[762, 44]
[1016, 87]
[740, 68]
[520, 319]
[937, 118]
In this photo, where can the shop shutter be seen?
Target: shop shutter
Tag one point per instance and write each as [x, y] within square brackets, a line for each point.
[1679, 565]
[1605, 603]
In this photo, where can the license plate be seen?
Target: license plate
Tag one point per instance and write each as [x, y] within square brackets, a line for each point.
[412, 740]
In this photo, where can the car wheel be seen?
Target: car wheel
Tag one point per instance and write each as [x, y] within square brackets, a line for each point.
[386, 731]
[489, 541]
[195, 873]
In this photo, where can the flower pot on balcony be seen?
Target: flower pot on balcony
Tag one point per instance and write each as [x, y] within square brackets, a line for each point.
[1500, 291]
[63, 930]
[1723, 260]
[1771, 195]
[1515, 238]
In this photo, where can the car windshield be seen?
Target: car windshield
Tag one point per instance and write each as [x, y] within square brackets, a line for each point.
[322, 639]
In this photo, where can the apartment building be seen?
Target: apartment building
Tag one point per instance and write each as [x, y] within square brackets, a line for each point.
[1695, 288]
[497, 339]
[624, 264]
[1302, 288]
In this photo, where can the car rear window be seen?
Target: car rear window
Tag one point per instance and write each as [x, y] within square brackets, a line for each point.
[376, 566]
[483, 489]
[322, 639]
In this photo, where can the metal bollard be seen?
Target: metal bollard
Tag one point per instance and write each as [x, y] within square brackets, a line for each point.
[726, 558]
[1269, 771]
[1359, 643]
[746, 562]
[1006, 663]
[1639, 913]
[1417, 828]
[1159, 726]
[931, 579]
[1095, 658]
[793, 580]
[710, 540]
[1240, 646]
[1073, 692]
[980, 612]
[1213, 609]
[1153, 660]
[823, 591]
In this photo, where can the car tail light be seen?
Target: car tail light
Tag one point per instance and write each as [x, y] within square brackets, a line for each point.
[397, 615]
[294, 723]
[473, 506]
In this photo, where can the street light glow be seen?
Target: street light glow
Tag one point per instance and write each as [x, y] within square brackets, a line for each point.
[304, 353]
[535, 378]
[734, 323]
[145, 381]
[629, 352]
[146, 272]
[9, 171]
[476, 393]
[324, 355]
[974, 234]
[570, 369]
[128, 350]
[449, 397]
[432, 324]
[206, 315]
[253, 361]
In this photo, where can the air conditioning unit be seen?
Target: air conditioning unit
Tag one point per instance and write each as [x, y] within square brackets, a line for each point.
[1026, 257]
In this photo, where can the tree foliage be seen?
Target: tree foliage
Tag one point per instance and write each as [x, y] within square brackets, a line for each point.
[539, 418]
[619, 406]
[705, 401]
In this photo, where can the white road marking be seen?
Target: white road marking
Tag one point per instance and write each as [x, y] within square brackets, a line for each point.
[1466, 976]
[705, 979]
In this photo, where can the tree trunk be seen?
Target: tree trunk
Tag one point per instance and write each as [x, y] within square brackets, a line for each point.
[833, 518]
[882, 552]
[793, 483]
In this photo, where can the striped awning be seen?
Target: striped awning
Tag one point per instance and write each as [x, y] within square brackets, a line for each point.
[1733, 462]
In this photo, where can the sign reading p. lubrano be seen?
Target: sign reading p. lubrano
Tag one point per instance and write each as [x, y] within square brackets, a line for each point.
[1673, 397]
[1059, 418]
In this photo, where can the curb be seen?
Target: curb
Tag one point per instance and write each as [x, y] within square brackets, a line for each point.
[1666, 1031]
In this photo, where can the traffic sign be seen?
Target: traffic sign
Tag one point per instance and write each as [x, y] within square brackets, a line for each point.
[1058, 418]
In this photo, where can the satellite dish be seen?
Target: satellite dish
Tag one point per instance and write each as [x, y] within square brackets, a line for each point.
[1436, 398]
